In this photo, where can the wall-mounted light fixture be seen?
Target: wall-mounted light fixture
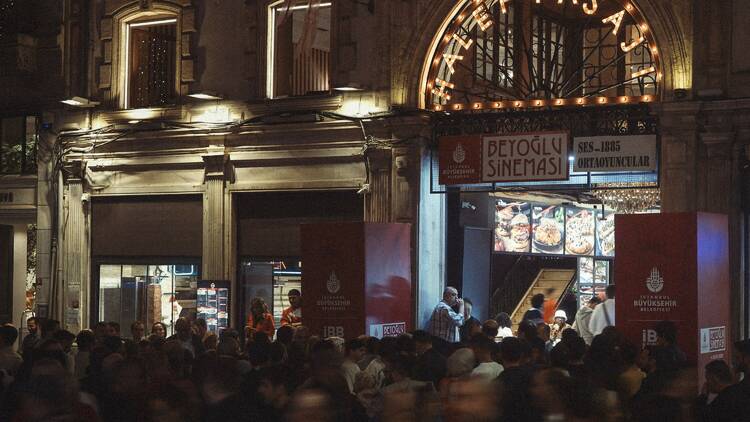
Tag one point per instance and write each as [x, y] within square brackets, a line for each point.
[349, 87]
[206, 95]
[80, 102]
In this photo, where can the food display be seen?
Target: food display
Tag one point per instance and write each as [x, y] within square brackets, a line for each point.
[585, 270]
[213, 304]
[605, 235]
[601, 272]
[579, 231]
[512, 227]
[549, 225]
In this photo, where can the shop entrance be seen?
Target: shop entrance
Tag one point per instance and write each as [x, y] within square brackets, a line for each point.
[269, 241]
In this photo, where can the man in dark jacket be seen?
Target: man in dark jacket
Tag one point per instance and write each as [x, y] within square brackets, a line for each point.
[430, 365]
[184, 335]
[536, 313]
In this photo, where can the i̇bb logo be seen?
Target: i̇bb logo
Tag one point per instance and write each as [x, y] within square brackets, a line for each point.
[459, 154]
[655, 282]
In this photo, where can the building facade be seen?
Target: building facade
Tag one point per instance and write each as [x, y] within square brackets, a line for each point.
[201, 134]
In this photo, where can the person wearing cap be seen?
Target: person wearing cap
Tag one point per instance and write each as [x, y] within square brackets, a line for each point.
[559, 325]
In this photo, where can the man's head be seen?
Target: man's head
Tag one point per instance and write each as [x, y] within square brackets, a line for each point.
[182, 328]
[483, 348]
[450, 295]
[398, 367]
[137, 330]
[537, 301]
[610, 291]
[31, 325]
[85, 340]
[595, 300]
[113, 329]
[422, 341]
[666, 333]
[355, 349]
[511, 351]
[742, 357]
[468, 307]
[65, 338]
[718, 376]
[200, 327]
[295, 298]
[490, 328]
[8, 335]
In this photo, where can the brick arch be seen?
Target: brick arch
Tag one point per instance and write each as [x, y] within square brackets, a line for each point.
[669, 32]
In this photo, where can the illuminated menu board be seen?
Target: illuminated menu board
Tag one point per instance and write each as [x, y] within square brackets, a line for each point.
[546, 229]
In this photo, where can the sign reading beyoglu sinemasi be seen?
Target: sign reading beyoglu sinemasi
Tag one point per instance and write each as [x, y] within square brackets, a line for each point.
[525, 157]
[615, 153]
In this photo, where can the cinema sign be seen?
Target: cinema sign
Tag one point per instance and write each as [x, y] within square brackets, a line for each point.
[518, 157]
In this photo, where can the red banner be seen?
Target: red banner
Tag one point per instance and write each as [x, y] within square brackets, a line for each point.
[674, 267]
[356, 279]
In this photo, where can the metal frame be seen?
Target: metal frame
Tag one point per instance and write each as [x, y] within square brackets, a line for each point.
[579, 121]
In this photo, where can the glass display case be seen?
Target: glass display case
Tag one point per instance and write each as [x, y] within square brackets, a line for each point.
[594, 275]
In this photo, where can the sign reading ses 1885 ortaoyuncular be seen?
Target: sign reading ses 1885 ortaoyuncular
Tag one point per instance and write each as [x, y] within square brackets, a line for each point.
[614, 153]
[525, 157]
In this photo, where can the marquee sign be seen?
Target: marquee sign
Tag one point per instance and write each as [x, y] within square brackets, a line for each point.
[495, 54]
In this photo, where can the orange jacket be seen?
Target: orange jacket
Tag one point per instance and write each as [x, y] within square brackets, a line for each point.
[289, 318]
[265, 325]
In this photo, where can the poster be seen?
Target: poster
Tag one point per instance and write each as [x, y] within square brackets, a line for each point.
[548, 229]
[512, 226]
[605, 235]
[579, 231]
[459, 159]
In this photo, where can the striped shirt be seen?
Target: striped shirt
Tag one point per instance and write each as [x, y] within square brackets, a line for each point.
[445, 323]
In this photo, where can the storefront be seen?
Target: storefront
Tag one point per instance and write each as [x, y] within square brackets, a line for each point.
[146, 259]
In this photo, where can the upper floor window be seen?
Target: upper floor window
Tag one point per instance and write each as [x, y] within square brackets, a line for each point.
[18, 136]
[299, 48]
[151, 63]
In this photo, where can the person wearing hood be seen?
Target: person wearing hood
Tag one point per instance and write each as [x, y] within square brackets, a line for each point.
[583, 317]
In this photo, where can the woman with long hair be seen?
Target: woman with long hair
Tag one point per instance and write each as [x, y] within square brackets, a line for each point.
[260, 319]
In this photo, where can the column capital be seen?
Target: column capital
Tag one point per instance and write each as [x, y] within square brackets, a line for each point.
[217, 165]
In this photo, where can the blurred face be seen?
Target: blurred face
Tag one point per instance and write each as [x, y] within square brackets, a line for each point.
[31, 326]
[357, 354]
[112, 331]
[295, 301]
[560, 321]
[158, 329]
[450, 297]
[138, 331]
[183, 328]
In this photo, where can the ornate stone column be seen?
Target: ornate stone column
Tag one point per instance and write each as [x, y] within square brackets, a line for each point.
[214, 210]
[74, 253]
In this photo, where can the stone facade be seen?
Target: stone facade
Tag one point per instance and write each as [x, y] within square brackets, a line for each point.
[222, 48]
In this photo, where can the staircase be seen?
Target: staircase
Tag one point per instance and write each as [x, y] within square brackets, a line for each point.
[555, 279]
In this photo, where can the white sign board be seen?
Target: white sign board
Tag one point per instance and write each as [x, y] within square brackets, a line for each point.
[615, 153]
[525, 157]
[713, 339]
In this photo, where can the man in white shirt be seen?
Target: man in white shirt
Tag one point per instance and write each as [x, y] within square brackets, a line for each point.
[604, 313]
[484, 348]
[354, 349]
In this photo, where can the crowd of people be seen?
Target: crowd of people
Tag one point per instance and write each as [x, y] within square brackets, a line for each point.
[459, 369]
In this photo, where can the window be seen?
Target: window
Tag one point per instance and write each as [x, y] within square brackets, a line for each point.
[151, 63]
[147, 293]
[18, 137]
[299, 49]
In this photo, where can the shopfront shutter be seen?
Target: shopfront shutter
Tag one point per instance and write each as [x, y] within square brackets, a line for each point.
[164, 226]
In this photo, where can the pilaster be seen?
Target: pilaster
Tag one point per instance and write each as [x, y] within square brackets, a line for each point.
[217, 170]
[75, 249]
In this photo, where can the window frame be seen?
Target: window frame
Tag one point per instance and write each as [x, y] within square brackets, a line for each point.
[271, 51]
[24, 168]
[127, 46]
[121, 39]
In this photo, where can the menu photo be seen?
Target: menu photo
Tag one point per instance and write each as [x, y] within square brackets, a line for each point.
[605, 235]
[579, 231]
[549, 228]
[512, 226]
